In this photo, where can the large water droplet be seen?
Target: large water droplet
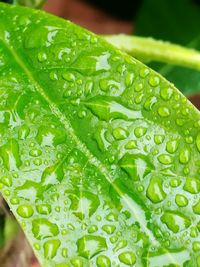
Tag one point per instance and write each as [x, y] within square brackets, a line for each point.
[163, 112]
[165, 159]
[140, 131]
[175, 222]
[42, 228]
[25, 211]
[49, 136]
[23, 132]
[43, 209]
[155, 191]
[136, 166]
[166, 93]
[127, 258]
[10, 155]
[103, 261]
[6, 180]
[184, 155]
[77, 262]
[51, 248]
[89, 246]
[119, 133]
[196, 208]
[109, 229]
[172, 146]
[192, 185]
[181, 200]
[106, 109]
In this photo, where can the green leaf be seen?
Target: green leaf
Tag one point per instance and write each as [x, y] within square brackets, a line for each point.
[99, 154]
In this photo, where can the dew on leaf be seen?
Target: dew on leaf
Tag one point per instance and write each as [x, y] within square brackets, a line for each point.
[43, 228]
[137, 166]
[103, 261]
[154, 81]
[192, 185]
[77, 262]
[163, 111]
[181, 200]
[120, 133]
[166, 93]
[165, 159]
[175, 222]
[89, 245]
[196, 208]
[155, 190]
[109, 229]
[127, 258]
[140, 131]
[25, 211]
[51, 248]
[184, 155]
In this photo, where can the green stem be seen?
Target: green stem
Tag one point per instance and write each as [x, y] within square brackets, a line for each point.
[150, 49]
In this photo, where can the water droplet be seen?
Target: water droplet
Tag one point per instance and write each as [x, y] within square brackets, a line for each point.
[198, 142]
[155, 191]
[196, 246]
[82, 114]
[175, 222]
[194, 232]
[42, 56]
[181, 200]
[53, 76]
[103, 261]
[144, 72]
[163, 111]
[154, 81]
[14, 200]
[76, 262]
[165, 159]
[109, 229]
[192, 185]
[25, 211]
[196, 208]
[148, 105]
[106, 84]
[131, 144]
[174, 182]
[6, 180]
[92, 229]
[23, 132]
[106, 109]
[120, 244]
[127, 258]
[43, 209]
[51, 248]
[136, 166]
[70, 77]
[35, 152]
[89, 246]
[10, 155]
[119, 133]
[129, 79]
[140, 131]
[158, 139]
[42, 228]
[172, 146]
[65, 252]
[139, 87]
[184, 155]
[166, 93]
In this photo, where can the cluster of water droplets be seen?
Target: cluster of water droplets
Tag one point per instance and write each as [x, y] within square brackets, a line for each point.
[147, 202]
